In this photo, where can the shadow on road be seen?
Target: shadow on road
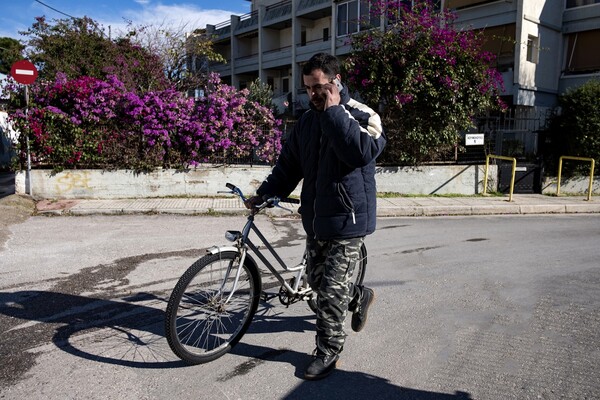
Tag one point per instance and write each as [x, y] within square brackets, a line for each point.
[111, 331]
[128, 333]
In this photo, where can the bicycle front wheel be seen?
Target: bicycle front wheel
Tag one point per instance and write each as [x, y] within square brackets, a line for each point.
[208, 313]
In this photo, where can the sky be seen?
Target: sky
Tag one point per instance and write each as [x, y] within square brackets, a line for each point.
[19, 15]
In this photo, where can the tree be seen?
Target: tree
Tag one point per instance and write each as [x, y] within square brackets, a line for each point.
[261, 93]
[78, 47]
[575, 129]
[11, 50]
[178, 49]
[427, 79]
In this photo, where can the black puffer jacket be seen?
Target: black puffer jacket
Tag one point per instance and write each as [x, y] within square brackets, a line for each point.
[334, 151]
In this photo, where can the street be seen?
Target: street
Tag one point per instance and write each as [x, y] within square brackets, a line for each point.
[504, 307]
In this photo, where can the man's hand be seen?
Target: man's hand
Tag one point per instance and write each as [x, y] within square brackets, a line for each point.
[332, 95]
[253, 202]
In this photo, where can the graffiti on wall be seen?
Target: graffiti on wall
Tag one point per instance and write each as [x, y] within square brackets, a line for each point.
[70, 181]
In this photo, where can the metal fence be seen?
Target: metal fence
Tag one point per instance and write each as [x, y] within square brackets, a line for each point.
[513, 133]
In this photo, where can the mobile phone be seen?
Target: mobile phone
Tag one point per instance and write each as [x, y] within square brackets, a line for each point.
[338, 84]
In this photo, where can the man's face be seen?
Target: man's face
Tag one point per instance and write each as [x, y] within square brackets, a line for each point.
[317, 85]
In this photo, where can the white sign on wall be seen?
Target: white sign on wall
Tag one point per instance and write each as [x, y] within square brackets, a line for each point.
[474, 139]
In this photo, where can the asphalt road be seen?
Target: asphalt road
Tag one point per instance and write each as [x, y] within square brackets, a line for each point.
[467, 308]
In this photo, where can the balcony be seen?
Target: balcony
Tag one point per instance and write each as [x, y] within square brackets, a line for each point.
[248, 22]
[277, 57]
[314, 9]
[461, 4]
[221, 69]
[279, 15]
[309, 48]
[246, 64]
[222, 30]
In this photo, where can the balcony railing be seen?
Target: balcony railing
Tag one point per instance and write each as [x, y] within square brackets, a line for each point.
[247, 21]
[278, 10]
[305, 4]
[222, 28]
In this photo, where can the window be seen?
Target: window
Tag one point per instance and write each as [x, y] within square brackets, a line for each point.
[533, 49]
[354, 16]
[579, 3]
[582, 52]
[325, 34]
[500, 41]
[459, 4]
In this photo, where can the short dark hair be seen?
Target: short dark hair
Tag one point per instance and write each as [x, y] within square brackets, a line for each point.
[325, 62]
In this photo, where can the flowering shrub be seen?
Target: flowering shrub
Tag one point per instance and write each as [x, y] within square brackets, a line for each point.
[426, 77]
[236, 126]
[90, 123]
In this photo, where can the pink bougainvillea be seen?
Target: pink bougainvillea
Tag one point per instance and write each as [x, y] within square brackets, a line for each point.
[88, 122]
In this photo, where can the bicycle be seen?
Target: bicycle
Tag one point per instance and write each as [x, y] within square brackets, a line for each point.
[214, 301]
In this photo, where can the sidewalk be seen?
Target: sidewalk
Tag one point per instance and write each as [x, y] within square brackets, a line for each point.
[386, 207]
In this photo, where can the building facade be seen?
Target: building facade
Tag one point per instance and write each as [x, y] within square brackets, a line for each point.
[555, 43]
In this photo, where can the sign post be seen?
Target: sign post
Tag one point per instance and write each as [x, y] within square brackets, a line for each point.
[25, 73]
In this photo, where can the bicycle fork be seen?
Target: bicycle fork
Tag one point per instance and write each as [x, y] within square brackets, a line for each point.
[242, 259]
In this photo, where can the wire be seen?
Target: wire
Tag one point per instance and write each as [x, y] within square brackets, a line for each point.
[52, 8]
[70, 16]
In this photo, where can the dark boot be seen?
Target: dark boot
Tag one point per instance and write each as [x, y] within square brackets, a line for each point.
[321, 366]
[359, 316]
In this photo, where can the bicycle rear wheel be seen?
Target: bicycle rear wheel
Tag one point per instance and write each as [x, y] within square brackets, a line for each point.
[205, 316]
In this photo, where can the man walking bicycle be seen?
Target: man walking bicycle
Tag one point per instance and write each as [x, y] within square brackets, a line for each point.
[332, 148]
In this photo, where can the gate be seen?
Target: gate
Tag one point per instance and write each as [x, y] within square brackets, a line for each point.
[513, 133]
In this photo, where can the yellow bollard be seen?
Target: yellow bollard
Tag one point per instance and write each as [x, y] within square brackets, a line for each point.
[590, 186]
[512, 179]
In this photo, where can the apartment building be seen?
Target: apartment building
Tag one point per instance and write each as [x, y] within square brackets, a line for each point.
[555, 43]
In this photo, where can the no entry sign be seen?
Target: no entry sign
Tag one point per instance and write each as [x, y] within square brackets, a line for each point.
[24, 72]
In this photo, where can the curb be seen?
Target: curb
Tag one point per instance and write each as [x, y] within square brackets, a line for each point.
[398, 207]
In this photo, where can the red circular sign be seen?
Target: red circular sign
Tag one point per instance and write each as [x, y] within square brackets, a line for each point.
[24, 72]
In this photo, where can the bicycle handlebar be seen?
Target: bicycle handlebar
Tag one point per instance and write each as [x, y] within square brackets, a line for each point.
[272, 201]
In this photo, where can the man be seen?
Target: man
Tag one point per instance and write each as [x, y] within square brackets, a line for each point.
[332, 148]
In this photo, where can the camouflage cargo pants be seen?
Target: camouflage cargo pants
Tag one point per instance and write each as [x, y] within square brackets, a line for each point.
[330, 266]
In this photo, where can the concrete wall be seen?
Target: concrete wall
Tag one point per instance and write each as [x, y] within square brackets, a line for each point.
[208, 180]
[577, 185]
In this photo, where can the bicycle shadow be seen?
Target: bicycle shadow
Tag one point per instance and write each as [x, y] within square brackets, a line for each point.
[64, 316]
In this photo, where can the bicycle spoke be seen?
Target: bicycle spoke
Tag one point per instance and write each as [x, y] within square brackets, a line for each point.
[210, 315]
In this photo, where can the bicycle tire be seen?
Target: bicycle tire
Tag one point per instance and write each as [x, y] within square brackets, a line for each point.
[200, 327]
[358, 276]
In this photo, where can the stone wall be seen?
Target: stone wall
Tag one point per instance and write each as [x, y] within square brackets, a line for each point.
[208, 180]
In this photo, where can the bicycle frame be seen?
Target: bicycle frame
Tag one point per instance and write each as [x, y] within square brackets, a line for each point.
[244, 243]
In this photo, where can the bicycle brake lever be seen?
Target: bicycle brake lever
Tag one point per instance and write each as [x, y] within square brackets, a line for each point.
[286, 209]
